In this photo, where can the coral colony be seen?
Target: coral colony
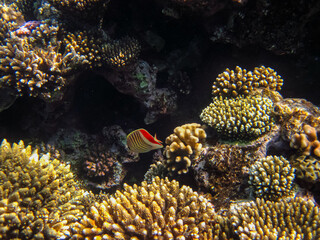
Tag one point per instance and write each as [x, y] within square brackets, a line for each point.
[248, 169]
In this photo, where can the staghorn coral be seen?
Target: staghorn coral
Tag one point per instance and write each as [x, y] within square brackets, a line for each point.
[242, 118]
[293, 113]
[292, 218]
[150, 211]
[185, 144]
[307, 167]
[121, 53]
[38, 196]
[271, 178]
[10, 19]
[306, 142]
[34, 70]
[234, 83]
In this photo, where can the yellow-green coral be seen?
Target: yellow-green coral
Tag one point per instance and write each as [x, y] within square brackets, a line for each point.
[241, 81]
[272, 178]
[292, 218]
[240, 118]
[37, 195]
[158, 210]
[183, 145]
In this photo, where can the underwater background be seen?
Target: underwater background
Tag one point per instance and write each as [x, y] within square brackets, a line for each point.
[227, 89]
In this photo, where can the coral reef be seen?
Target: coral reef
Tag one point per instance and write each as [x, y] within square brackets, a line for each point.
[242, 118]
[77, 5]
[37, 71]
[307, 167]
[240, 81]
[272, 178]
[291, 218]
[292, 114]
[161, 208]
[307, 141]
[10, 19]
[38, 195]
[184, 145]
[120, 54]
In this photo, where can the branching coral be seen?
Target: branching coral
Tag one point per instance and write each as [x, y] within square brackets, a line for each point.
[272, 178]
[38, 195]
[10, 19]
[241, 81]
[185, 144]
[292, 218]
[306, 142]
[150, 211]
[34, 70]
[242, 118]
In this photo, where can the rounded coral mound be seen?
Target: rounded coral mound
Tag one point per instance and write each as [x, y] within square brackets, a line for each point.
[240, 81]
[184, 144]
[38, 195]
[272, 177]
[292, 218]
[160, 210]
[241, 118]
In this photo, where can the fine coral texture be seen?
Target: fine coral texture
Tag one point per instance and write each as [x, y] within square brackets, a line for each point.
[241, 118]
[292, 218]
[272, 178]
[158, 210]
[38, 195]
[185, 144]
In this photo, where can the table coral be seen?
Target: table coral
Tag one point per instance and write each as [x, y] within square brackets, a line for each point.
[242, 118]
[38, 195]
[150, 211]
[292, 218]
[185, 144]
[272, 178]
[240, 81]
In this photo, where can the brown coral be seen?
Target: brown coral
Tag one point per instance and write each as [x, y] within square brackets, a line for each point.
[307, 167]
[307, 141]
[272, 178]
[292, 218]
[185, 144]
[161, 209]
[293, 114]
[38, 195]
[234, 83]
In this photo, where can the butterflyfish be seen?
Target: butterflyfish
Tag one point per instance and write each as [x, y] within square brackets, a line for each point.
[140, 141]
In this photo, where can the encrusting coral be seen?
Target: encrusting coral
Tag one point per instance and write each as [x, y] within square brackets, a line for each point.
[185, 144]
[291, 218]
[234, 83]
[241, 118]
[272, 178]
[38, 196]
[158, 210]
